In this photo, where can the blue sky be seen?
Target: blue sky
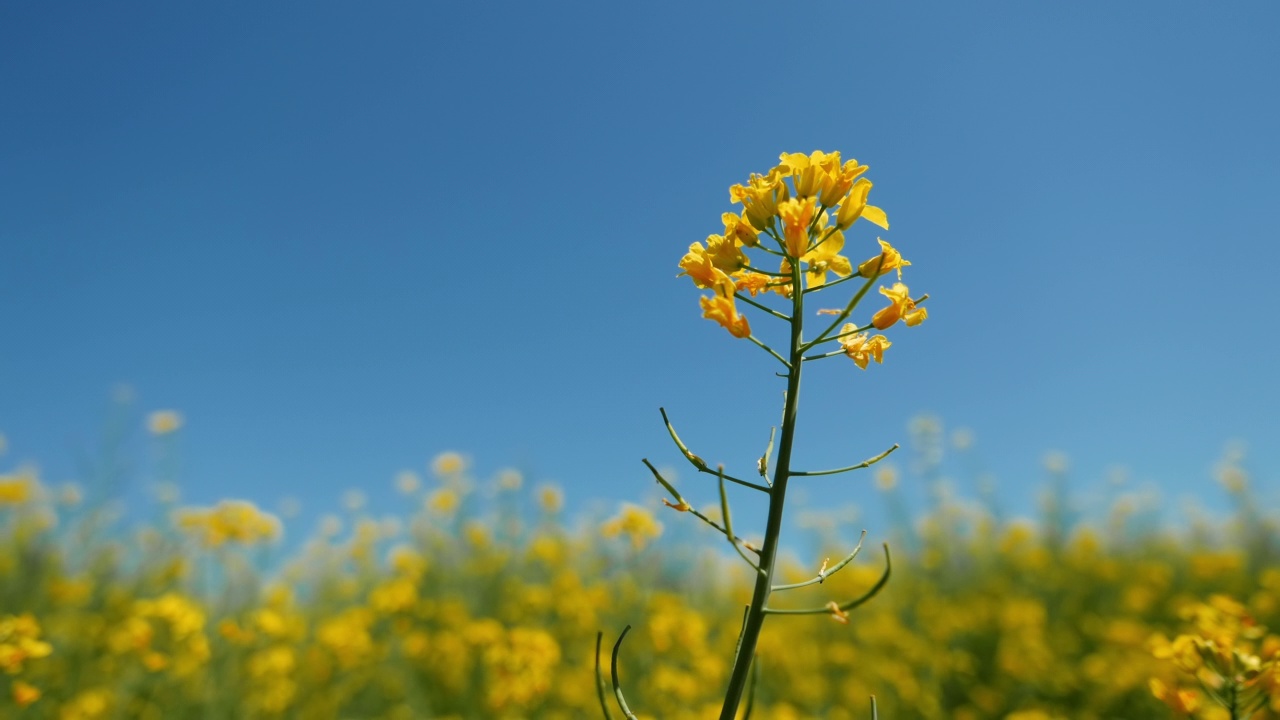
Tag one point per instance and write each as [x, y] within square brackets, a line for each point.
[343, 238]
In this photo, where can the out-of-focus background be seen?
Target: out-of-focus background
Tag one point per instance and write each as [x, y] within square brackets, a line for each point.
[340, 240]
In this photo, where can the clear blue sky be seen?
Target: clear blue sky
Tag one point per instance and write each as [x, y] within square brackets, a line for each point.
[341, 238]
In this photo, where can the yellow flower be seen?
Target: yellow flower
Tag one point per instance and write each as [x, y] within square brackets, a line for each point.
[550, 498]
[448, 463]
[229, 521]
[840, 181]
[699, 266]
[24, 694]
[891, 259]
[163, 422]
[723, 310]
[739, 229]
[901, 307]
[20, 641]
[16, 489]
[826, 257]
[443, 501]
[760, 198]
[751, 282]
[861, 348]
[635, 522]
[796, 215]
[1184, 702]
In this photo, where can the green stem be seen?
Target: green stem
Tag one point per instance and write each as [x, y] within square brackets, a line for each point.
[741, 673]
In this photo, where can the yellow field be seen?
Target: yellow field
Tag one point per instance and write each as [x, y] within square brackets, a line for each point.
[468, 608]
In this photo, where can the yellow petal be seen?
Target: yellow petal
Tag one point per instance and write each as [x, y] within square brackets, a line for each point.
[876, 215]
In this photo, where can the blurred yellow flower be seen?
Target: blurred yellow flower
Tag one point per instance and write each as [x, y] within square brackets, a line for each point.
[550, 498]
[15, 489]
[163, 422]
[448, 463]
[24, 693]
[443, 501]
[636, 523]
[20, 641]
[229, 521]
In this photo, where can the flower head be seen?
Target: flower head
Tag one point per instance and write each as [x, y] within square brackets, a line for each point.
[723, 310]
[887, 261]
[861, 348]
[901, 307]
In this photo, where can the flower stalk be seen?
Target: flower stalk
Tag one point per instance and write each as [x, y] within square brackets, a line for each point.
[803, 206]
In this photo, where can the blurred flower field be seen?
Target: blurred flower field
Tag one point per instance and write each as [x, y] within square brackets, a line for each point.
[483, 600]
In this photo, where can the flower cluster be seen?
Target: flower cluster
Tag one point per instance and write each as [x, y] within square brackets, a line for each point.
[229, 521]
[798, 213]
[1227, 657]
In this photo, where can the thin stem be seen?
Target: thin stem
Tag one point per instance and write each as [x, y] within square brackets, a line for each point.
[698, 462]
[683, 506]
[747, 299]
[859, 466]
[769, 350]
[728, 526]
[853, 302]
[833, 283]
[826, 609]
[742, 663]
[604, 706]
[766, 272]
[826, 572]
[613, 670]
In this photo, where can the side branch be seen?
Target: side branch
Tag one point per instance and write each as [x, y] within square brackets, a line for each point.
[833, 608]
[859, 466]
[844, 314]
[613, 671]
[825, 573]
[604, 706]
[681, 505]
[701, 464]
[728, 527]
[747, 299]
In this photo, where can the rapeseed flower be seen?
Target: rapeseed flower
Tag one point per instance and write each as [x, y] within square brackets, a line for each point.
[901, 307]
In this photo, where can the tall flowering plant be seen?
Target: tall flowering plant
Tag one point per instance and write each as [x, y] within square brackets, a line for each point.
[792, 218]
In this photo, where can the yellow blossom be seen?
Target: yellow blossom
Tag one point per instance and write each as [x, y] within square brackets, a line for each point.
[163, 422]
[861, 348]
[760, 198]
[723, 310]
[751, 282]
[550, 498]
[443, 501]
[636, 523]
[739, 229]
[826, 257]
[901, 307]
[448, 463]
[854, 206]
[1184, 702]
[24, 693]
[20, 641]
[237, 521]
[700, 266]
[887, 261]
[796, 215]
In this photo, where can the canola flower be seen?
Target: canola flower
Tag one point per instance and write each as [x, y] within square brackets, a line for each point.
[987, 617]
[795, 217]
